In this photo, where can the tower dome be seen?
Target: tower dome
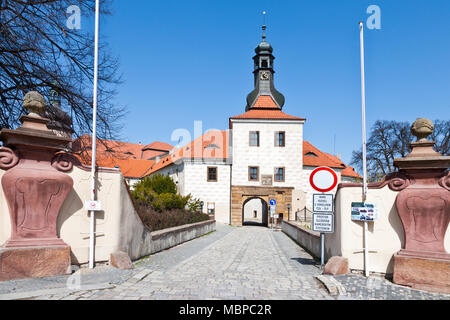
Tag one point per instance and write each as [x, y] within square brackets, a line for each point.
[264, 47]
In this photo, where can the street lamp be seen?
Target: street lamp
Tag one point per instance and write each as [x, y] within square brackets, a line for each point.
[289, 209]
[201, 205]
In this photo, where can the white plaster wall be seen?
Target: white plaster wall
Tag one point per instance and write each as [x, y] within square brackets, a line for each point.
[386, 235]
[252, 205]
[345, 179]
[298, 201]
[196, 184]
[267, 156]
[132, 182]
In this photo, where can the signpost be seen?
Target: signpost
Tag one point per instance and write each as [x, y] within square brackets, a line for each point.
[323, 179]
[364, 143]
[94, 136]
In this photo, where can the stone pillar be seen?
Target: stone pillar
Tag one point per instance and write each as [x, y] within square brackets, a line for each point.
[423, 205]
[35, 186]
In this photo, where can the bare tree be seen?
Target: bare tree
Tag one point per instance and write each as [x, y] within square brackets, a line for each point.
[441, 135]
[39, 51]
[390, 140]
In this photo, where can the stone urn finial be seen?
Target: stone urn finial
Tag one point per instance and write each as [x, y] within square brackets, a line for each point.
[34, 102]
[422, 128]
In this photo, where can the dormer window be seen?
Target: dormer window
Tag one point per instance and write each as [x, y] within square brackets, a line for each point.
[311, 154]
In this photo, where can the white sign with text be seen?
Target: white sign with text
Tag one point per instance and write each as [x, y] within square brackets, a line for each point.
[323, 223]
[323, 203]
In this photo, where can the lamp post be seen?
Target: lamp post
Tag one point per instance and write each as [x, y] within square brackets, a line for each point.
[289, 210]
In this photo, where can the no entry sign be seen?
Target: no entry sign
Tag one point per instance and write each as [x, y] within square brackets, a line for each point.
[323, 179]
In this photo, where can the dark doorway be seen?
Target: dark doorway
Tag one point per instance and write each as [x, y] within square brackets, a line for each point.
[255, 212]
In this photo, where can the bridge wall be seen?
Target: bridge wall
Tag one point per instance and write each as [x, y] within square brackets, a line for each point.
[385, 237]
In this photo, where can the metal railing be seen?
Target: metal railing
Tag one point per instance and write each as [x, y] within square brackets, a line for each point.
[304, 215]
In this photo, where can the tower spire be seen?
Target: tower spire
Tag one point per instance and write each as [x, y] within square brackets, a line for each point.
[264, 27]
[264, 74]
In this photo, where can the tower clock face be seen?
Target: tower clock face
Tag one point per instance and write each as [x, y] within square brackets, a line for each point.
[265, 75]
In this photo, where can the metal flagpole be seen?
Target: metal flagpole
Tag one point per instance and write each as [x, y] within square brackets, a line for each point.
[94, 137]
[363, 104]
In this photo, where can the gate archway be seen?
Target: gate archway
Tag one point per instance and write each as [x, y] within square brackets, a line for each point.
[255, 212]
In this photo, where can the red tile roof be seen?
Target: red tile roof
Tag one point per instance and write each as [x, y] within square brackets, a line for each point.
[159, 146]
[269, 114]
[213, 144]
[129, 157]
[348, 171]
[131, 168]
[265, 102]
[119, 149]
[313, 157]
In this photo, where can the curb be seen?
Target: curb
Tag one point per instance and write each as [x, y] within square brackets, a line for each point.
[38, 293]
[139, 276]
[334, 287]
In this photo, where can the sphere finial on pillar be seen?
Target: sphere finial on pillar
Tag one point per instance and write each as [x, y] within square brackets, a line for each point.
[34, 102]
[422, 128]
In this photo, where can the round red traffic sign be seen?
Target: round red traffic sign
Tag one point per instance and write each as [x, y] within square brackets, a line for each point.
[323, 179]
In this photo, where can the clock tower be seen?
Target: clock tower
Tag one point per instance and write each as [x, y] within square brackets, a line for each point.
[264, 75]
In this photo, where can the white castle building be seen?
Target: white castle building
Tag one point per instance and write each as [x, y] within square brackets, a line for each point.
[262, 156]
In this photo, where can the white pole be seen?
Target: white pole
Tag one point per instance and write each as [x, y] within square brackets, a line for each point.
[363, 105]
[322, 250]
[94, 137]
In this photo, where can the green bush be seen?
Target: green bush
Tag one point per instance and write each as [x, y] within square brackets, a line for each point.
[168, 201]
[160, 193]
[157, 183]
[194, 205]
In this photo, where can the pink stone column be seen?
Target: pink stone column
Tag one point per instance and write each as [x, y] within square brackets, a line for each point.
[423, 205]
[35, 186]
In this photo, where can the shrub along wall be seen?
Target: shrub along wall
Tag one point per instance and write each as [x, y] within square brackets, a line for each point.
[160, 207]
[167, 219]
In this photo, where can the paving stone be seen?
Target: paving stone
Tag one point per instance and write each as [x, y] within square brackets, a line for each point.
[245, 263]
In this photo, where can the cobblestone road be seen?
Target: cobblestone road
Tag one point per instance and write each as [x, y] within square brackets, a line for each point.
[231, 263]
[245, 263]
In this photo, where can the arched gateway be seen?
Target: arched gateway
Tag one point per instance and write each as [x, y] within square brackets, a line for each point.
[255, 211]
[243, 196]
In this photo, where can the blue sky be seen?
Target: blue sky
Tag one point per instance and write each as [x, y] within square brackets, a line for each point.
[191, 60]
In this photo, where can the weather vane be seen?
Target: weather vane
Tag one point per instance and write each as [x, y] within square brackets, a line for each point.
[264, 25]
